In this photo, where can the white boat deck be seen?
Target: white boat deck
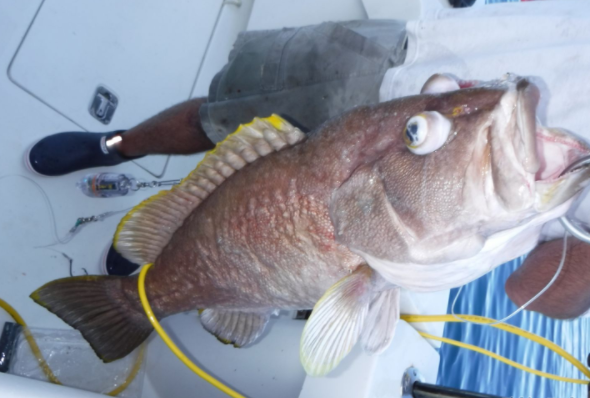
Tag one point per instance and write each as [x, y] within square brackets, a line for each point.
[152, 54]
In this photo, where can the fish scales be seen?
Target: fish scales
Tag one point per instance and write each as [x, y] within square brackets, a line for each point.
[422, 193]
[275, 249]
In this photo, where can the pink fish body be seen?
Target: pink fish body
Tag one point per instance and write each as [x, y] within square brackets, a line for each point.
[423, 193]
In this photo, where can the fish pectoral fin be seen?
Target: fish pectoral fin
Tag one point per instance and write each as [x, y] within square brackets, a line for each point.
[235, 327]
[336, 323]
[144, 232]
[381, 321]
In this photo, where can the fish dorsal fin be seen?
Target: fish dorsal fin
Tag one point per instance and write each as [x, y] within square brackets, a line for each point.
[381, 321]
[336, 323]
[235, 327]
[149, 226]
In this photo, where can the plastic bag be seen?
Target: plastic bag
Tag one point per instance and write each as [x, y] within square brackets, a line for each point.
[75, 364]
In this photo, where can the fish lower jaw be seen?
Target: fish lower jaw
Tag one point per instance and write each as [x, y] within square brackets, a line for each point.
[557, 181]
[557, 149]
[499, 248]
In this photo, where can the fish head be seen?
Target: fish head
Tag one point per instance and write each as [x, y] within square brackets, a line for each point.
[461, 167]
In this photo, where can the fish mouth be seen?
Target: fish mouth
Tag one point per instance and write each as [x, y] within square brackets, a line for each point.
[563, 167]
[553, 157]
[548, 153]
[560, 154]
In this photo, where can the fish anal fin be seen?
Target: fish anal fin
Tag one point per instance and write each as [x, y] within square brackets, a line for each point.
[381, 321]
[148, 227]
[336, 322]
[235, 327]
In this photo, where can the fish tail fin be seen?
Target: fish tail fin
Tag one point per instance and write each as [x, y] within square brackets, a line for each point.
[102, 308]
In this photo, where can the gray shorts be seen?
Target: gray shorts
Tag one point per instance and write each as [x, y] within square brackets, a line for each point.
[307, 75]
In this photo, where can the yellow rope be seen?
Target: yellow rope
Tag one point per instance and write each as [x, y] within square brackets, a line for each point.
[502, 359]
[508, 328]
[31, 340]
[408, 318]
[170, 343]
[45, 367]
[131, 376]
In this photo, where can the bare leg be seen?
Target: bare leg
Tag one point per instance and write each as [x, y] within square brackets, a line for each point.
[177, 130]
[569, 296]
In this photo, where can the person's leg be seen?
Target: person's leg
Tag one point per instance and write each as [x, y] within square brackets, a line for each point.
[175, 131]
[311, 74]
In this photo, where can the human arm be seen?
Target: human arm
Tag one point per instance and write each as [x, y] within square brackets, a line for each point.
[569, 296]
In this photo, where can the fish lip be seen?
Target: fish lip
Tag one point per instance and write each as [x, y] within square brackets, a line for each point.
[560, 177]
[580, 164]
[526, 109]
[573, 150]
[534, 136]
[523, 96]
[544, 154]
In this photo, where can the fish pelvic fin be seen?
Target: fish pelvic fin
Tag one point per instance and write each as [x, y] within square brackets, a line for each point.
[235, 327]
[336, 322]
[381, 321]
[98, 307]
[148, 227]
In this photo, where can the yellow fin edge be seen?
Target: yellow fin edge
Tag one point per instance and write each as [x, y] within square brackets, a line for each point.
[133, 211]
[275, 120]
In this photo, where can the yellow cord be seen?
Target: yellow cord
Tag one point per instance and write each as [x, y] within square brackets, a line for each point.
[131, 376]
[31, 340]
[502, 359]
[408, 318]
[508, 328]
[170, 343]
[45, 367]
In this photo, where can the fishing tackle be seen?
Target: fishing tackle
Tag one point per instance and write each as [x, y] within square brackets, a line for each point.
[108, 185]
[525, 305]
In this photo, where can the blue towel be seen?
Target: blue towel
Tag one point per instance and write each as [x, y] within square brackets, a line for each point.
[461, 368]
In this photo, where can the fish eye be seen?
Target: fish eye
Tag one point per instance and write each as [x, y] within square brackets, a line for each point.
[426, 132]
[416, 131]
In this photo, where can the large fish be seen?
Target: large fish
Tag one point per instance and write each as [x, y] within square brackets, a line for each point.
[423, 193]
